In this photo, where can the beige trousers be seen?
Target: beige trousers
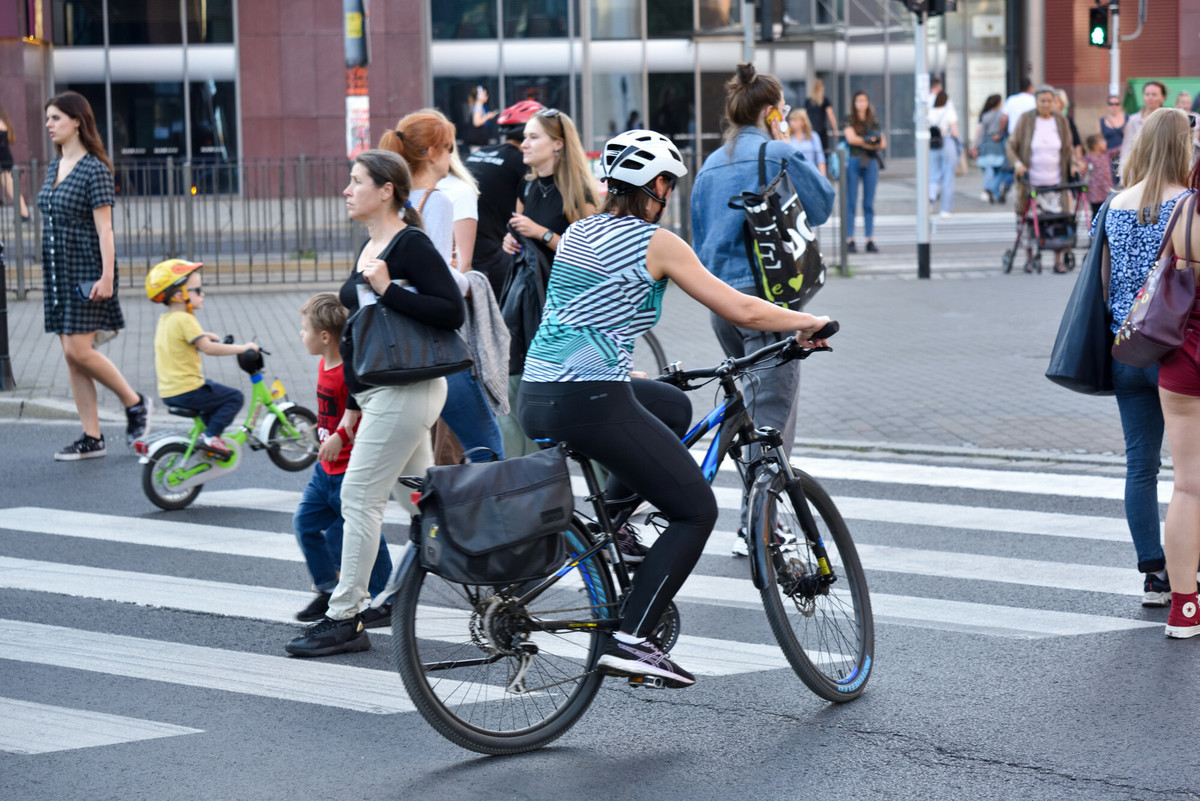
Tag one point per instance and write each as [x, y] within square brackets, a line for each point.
[393, 440]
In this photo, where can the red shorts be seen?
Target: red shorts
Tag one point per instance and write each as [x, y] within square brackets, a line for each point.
[1180, 371]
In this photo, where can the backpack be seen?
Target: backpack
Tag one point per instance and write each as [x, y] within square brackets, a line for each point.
[780, 244]
[935, 137]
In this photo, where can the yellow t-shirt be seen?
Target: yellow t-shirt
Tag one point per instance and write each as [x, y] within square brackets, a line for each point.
[175, 356]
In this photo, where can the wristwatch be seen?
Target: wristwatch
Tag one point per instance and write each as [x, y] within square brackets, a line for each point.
[546, 237]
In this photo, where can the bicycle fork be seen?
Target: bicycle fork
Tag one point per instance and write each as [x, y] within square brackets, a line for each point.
[791, 582]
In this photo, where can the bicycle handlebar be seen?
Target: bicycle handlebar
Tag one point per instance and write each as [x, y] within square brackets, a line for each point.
[786, 349]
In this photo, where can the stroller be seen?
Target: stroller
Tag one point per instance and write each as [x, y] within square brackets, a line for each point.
[1049, 230]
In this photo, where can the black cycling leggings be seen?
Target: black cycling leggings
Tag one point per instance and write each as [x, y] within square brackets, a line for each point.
[621, 426]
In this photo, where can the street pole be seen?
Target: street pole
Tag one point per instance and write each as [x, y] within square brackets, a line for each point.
[921, 126]
[1114, 39]
[748, 41]
[7, 381]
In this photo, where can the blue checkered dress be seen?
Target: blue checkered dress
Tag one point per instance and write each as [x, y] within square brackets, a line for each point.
[71, 248]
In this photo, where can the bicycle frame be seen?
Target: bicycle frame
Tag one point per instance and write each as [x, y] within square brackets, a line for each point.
[735, 430]
[253, 430]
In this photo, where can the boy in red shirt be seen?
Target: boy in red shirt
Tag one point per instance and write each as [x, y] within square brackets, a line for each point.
[318, 518]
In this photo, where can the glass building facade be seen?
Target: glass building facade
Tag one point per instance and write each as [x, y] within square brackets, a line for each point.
[663, 64]
[160, 74]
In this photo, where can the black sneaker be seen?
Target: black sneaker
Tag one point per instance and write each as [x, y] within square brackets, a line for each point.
[871, 247]
[328, 637]
[377, 617]
[643, 659]
[315, 610]
[630, 545]
[1156, 591]
[850, 248]
[83, 448]
[137, 420]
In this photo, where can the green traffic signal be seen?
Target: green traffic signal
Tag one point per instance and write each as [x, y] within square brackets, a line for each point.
[1098, 26]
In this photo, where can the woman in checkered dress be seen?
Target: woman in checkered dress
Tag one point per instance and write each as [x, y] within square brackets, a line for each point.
[79, 270]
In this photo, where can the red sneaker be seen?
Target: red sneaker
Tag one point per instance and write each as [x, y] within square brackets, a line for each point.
[1184, 620]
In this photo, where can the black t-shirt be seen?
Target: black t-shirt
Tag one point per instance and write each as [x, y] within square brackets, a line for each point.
[819, 117]
[500, 172]
[544, 205]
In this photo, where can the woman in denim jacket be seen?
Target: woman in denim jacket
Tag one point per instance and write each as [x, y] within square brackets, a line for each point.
[751, 99]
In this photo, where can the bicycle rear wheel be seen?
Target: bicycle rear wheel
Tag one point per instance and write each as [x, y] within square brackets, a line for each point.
[478, 668]
[826, 631]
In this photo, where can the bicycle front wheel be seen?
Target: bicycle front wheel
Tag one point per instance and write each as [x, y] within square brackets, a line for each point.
[825, 630]
[483, 670]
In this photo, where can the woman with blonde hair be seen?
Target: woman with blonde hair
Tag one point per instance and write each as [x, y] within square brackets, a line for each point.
[820, 114]
[426, 142]
[806, 140]
[1155, 170]
[559, 190]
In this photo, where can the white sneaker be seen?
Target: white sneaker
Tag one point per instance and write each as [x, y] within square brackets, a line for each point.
[945, 214]
[786, 539]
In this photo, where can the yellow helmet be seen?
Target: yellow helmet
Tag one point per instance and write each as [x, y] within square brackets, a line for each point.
[166, 276]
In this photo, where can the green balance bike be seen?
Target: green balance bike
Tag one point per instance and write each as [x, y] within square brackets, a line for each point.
[175, 468]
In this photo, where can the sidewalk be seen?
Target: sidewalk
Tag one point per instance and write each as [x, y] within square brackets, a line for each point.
[949, 366]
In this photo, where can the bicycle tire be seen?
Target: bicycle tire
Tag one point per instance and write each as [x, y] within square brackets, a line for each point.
[829, 639]
[157, 470]
[660, 356]
[294, 453]
[435, 622]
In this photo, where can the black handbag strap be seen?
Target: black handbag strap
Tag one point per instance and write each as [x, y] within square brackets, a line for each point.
[387, 251]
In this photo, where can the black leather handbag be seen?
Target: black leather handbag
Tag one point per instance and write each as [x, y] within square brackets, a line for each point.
[388, 348]
[495, 522]
[1081, 359]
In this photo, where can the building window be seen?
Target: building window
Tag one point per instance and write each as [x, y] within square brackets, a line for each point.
[669, 19]
[463, 19]
[451, 95]
[78, 23]
[144, 22]
[552, 91]
[530, 19]
[148, 120]
[672, 106]
[93, 93]
[210, 21]
[616, 19]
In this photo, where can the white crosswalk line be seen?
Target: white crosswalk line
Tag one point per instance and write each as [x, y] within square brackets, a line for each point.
[265, 603]
[30, 728]
[311, 682]
[992, 619]
[273, 500]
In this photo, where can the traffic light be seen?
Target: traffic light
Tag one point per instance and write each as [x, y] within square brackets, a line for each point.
[1098, 26]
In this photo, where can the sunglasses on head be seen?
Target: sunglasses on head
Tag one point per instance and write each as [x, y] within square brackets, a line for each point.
[549, 112]
[1114, 102]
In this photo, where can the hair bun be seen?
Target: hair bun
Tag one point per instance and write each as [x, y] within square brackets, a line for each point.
[746, 73]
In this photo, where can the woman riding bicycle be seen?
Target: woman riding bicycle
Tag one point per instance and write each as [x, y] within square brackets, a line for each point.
[606, 289]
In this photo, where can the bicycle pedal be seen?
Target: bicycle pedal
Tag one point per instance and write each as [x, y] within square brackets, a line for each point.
[652, 682]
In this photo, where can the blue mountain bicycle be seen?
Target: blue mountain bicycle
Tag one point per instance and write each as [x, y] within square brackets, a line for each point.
[508, 669]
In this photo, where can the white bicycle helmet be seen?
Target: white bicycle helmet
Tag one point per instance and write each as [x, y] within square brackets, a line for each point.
[638, 157]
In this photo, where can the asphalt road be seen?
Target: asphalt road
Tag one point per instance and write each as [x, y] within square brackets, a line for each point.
[1013, 659]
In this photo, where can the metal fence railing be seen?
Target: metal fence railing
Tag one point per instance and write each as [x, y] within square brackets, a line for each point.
[254, 222]
[251, 222]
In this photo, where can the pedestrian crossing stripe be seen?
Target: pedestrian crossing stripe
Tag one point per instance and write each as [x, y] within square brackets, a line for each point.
[30, 728]
[267, 603]
[311, 682]
[941, 564]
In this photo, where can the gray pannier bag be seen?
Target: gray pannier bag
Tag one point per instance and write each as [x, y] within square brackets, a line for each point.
[495, 522]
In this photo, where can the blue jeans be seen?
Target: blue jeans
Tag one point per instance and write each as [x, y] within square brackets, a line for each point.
[1142, 423]
[941, 172]
[470, 418]
[318, 526]
[217, 404]
[993, 180]
[870, 179]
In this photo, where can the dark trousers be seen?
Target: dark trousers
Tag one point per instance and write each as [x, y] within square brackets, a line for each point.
[606, 422]
[217, 404]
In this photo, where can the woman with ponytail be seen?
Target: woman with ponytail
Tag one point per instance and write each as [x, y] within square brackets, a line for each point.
[392, 437]
[425, 140]
[754, 115]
